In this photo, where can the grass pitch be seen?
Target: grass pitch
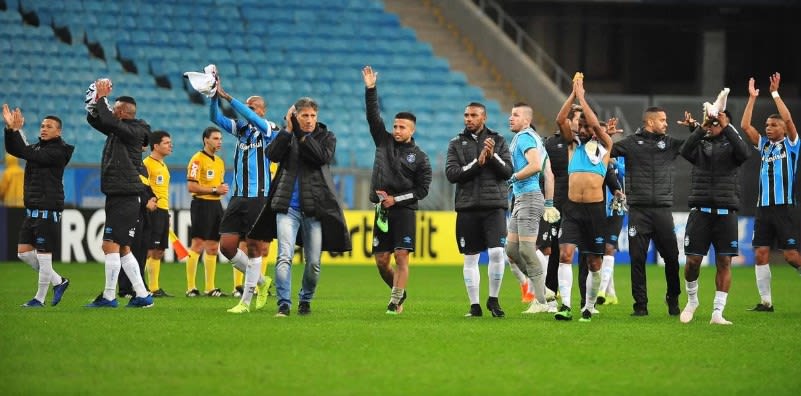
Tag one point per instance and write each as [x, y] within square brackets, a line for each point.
[348, 346]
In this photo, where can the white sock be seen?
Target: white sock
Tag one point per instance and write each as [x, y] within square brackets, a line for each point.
[720, 303]
[45, 274]
[495, 270]
[29, 258]
[252, 274]
[131, 268]
[112, 273]
[240, 261]
[763, 282]
[692, 292]
[565, 277]
[607, 268]
[472, 277]
[593, 284]
[544, 262]
[610, 290]
[521, 277]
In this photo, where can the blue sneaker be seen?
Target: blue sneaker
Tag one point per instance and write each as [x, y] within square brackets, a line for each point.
[141, 302]
[34, 303]
[58, 291]
[101, 302]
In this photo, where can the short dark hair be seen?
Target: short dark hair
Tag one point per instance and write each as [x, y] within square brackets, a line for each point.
[156, 137]
[209, 130]
[54, 118]
[521, 104]
[776, 117]
[126, 99]
[655, 109]
[405, 115]
[477, 104]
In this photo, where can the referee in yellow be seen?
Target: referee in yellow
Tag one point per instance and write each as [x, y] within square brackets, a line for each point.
[159, 219]
[204, 176]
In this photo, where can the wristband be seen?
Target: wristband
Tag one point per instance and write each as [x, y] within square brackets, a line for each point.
[775, 94]
[214, 190]
[549, 203]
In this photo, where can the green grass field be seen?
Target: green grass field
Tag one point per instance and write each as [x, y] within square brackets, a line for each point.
[349, 346]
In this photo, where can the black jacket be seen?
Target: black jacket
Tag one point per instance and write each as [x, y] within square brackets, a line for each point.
[44, 169]
[715, 161]
[479, 187]
[400, 169]
[122, 154]
[305, 157]
[557, 153]
[649, 167]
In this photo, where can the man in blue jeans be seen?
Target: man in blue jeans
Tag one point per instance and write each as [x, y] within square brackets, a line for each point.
[302, 198]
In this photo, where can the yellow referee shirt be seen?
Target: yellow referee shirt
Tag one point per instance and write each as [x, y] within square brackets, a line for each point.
[159, 177]
[208, 171]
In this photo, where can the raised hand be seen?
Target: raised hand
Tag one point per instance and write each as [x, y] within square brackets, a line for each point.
[578, 87]
[7, 116]
[288, 118]
[775, 78]
[221, 92]
[611, 126]
[103, 87]
[370, 77]
[752, 91]
[688, 119]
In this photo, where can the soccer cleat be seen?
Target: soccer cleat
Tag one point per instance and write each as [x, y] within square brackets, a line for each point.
[58, 291]
[141, 302]
[211, 293]
[535, 307]
[304, 308]
[194, 293]
[101, 302]
[237, 292]
[640, 312]
[688, 312]
[495, 308]
[392, 309]
[601, 298]
[475, 311]
[261, 298]
[34, 303]
[283, 310]
[586, 316]
[239, 308]
[564, 313]
[525, 295]
[552, 306]
[673, 305]
[594, 311]
[717, 318]
[611, 299]
[161, 293]
[400, 302]
[762, 307]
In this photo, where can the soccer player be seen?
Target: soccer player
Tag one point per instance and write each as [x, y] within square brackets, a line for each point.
[205, 174]
[43, 196]
[776, 220]
[401, 177]
[479, 163]
[159, 219]
[121, 181]
[716, 151]
[251, 185]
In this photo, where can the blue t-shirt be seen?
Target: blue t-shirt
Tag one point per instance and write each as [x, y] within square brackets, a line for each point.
[523, 141]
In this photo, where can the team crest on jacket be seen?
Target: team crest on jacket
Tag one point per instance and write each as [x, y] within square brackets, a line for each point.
[661, 144]
[410, 158]
[632, 231]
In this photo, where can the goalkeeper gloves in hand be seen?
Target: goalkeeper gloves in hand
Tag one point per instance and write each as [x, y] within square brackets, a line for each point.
[550, 214]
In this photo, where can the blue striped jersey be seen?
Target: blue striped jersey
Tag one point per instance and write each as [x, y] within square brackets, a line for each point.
[777, 171]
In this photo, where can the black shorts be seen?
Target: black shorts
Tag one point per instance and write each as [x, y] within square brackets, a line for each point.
[159, 223]
[584, 225]
[548, 232]
[477, 231]
[42, 229]
[122, 216]
[719, 230]
[401, 234]
[240, 215]
[614, 224]
[776, 224]
[206, 215]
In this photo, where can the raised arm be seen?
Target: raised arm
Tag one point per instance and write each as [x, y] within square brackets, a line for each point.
[561, 118]
[251, 116]
[216, 116]
[377, 128]
[784, 112]
[589, 116]
[750, 132]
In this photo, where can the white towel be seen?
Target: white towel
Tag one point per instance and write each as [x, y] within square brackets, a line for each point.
[206, 82]
[711, 110]
[90, 100]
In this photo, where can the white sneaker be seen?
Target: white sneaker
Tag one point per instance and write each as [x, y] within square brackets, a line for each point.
[535, 308]
[717, 318]
[594, 311]
[687, 313]
[549, 295]
[552, 308]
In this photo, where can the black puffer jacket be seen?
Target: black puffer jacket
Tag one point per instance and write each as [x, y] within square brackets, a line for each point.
[715, 161]
[557, 152]
[479, 187]
[122, 154]
[649, 167]
[400, 169]
[44, 169]
[305, 157]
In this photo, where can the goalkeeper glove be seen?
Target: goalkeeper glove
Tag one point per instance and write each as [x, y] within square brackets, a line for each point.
[550, 214]
[512, 180]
